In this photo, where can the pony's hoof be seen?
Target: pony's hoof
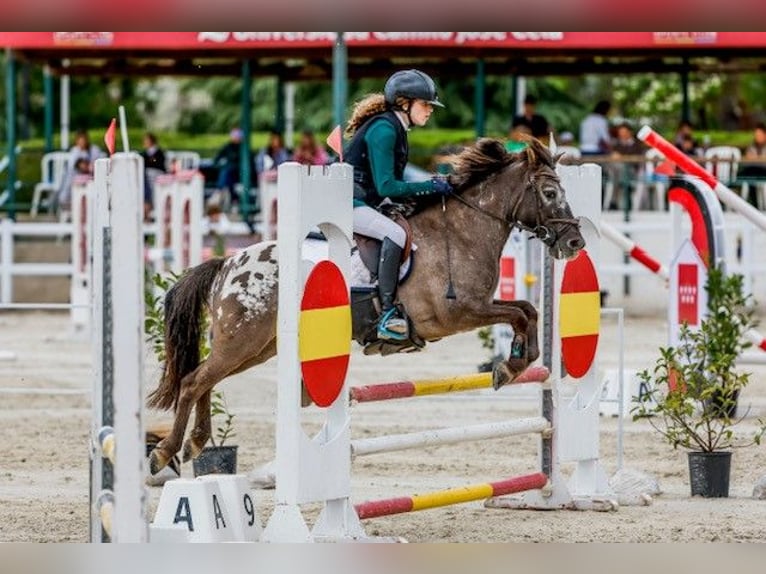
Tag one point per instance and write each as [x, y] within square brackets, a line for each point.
[190, 450]
[157, 462]
[500, 375]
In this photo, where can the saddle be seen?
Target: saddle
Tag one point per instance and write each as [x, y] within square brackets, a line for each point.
[364, 301]
[369, 247]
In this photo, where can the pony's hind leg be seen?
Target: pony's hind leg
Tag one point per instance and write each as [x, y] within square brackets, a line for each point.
[202, 430]
[194, 387]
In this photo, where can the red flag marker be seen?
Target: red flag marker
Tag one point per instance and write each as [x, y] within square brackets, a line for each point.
[109, 136]
[335, 141]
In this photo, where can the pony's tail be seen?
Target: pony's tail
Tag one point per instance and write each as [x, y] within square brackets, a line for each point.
[184, 313]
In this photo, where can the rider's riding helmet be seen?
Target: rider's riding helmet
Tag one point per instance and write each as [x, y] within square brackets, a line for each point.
[412, 84]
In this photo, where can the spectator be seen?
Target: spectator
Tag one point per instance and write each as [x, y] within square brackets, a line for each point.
[537, 123]
[82, 155]
[624, 174]
[271, 156]
[594, 130]
[154, 165]
[756, 151]
[229, 161]
[309, 152]
[685, 140]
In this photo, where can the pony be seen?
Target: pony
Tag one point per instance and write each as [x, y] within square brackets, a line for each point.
[459, 245]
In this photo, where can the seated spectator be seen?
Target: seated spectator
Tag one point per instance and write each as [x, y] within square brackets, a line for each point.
[273, 154]
[154, 165]
[82, 156]
[689, 146]
[755, 151]
[309, 152]
[624, 175]
[537, 123]
[595, 138]
[686, 141]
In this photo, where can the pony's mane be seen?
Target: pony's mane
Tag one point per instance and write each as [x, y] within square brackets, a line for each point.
[488, 156]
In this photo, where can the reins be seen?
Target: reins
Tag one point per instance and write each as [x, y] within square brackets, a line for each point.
[544, 233]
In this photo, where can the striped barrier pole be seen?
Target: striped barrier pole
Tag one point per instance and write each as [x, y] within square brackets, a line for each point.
[756, 339]
[406, 389]
[399, 505]
[632, 249]
[449, 435]
[688, 165]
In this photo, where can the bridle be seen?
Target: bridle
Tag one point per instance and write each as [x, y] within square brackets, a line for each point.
[548, 235]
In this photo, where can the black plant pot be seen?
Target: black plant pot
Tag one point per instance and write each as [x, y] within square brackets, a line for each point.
[709, 473]
[216, 460]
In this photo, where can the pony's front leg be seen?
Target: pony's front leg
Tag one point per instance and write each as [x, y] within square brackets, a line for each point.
[522, 317]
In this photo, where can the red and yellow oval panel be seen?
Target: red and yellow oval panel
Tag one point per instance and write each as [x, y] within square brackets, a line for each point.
[579, 315]
[324, 333]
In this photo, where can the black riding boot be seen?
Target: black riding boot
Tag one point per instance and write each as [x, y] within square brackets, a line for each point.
[391, 325]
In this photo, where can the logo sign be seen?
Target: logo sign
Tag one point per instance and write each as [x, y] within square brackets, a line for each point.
[688, 293]
[324, 333]
[688, 298]
[507, 278]
[579, 315]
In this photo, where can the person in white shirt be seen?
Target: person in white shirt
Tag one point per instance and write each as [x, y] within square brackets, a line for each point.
[594, 130]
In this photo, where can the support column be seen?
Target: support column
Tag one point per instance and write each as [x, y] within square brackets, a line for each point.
[48, 91]
[10, 118]
[245, 176]
[478, 98]
[339, 80]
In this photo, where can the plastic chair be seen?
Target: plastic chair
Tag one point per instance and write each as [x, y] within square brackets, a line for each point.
[723, 162]
[569, 151]
[182, 160]
[53, 168]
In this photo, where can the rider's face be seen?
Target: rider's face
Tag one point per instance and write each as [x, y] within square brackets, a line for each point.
[420, 112]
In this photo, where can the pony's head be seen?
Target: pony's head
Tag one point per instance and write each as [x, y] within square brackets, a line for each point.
[532, 196]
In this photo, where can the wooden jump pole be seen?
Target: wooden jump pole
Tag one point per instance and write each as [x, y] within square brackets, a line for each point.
[406, 389]
[450, 496]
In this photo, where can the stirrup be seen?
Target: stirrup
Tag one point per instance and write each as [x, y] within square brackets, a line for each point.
[385, 333]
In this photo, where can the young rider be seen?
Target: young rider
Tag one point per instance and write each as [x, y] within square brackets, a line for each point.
[379, 151]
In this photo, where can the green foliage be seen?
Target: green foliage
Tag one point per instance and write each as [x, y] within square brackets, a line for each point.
[154, 328]
[218, 408]
[694, 387]
[486, 338]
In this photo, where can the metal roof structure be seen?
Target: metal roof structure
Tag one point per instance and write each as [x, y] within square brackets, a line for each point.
[296, 56]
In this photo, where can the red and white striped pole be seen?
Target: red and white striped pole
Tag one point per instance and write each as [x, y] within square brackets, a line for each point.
[629, 246]
[756, 339]
[688, 165]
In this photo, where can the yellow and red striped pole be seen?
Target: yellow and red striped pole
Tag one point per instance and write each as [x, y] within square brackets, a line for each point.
[405, 389]
[387, 507]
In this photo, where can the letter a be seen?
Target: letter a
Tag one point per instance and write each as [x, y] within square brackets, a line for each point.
[218, 512]
[183, 513]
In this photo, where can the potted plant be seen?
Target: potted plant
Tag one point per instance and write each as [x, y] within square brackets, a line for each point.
[693, 389]
[218, 457]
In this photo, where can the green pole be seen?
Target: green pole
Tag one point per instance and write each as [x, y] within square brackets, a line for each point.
[339, 80]
[245, 155]
[685, 108]
[478, 98]
[48, 90]
[279, 120]
[514, 95]
[10, 117]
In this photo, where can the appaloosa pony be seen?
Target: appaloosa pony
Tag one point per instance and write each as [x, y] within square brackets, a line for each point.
[459, 245]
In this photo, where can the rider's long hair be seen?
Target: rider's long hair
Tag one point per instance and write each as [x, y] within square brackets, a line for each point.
[370, 105]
